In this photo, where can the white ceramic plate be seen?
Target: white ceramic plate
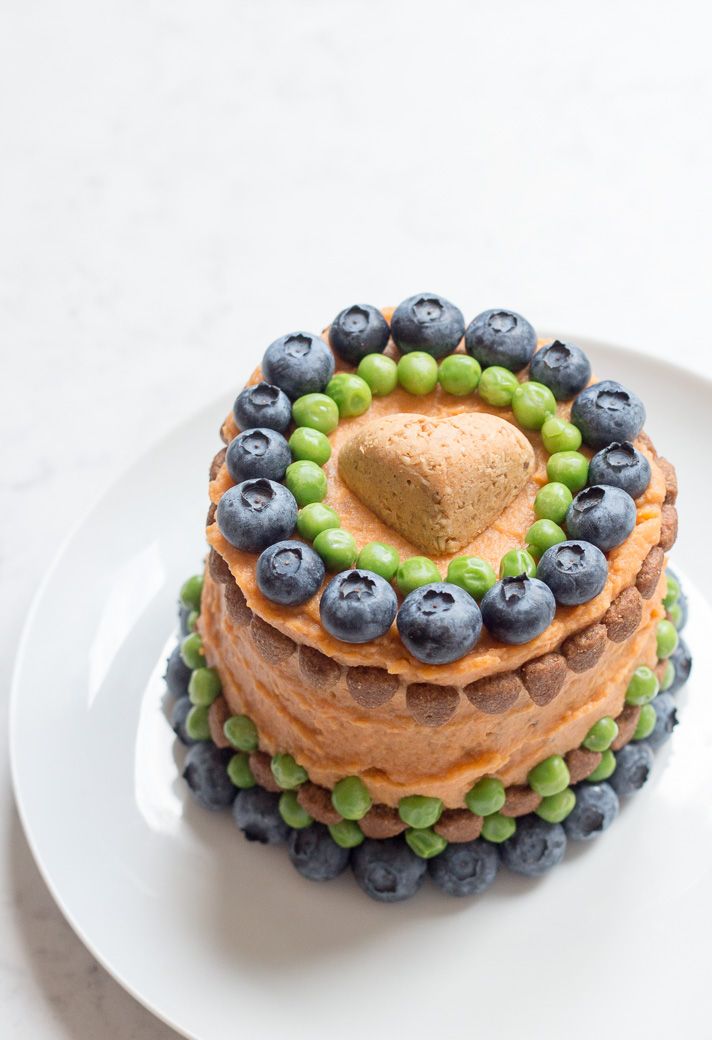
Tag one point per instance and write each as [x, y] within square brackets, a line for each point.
[222, 938]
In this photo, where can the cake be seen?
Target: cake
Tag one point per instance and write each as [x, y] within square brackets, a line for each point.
[436, 632]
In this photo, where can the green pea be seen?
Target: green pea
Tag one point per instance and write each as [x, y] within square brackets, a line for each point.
[337, 549]
[307, 482]
[552, 502]
[317, 411]
[559, 435]
[415, 572]
[287, 772]
[192, 621]
[309, 445]
[568, 467]
[602, 734]
[542, 535]
[668, 676]
[425, 842]
[191, 650]
[674, 614]
[191, 592]
[351, 393]
[532, 404]
[292, 812]
[238, 769]
[418, 373]
[642, 687]
[486, 797]
[350, 798]
[516, 562]
[472, 574]
[315, 518]
[667, 639]
[204, 686]
[196, 723]
[556, 807]
[550, 776]
[380, 372]
[646, 722]
[418, 811]
[346, 833]
[497, 828]
[241, 732]
[459, 375]
[497, 385]
[605, 768]
[379, 558]
[673, 591]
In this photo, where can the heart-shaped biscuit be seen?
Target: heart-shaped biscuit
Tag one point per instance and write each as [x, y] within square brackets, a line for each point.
[438, 482]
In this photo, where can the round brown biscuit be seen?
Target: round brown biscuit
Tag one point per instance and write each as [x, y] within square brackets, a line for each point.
[371, 687]
[382, 821]
[218, 714]
[317, 668]
[544, 677]
[236, 604]
[210, 518]
[649, 573]
[224, 435]
[627, 722]
[216, 464]
[581, 763]
[430, 704]
[520, 800]
[272, 645]
[624, 615]
[317, 802]
[583, 650]
[261, 766]
[495, 693]
[458, 825]
[218, 567]
[670, 477]
[668, 527]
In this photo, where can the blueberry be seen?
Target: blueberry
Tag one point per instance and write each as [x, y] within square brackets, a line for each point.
[502, 338]
[264, 406]
[665, 720]
[357, 331]
[602, 515]
[184, 613]
[256, 813]
[439, 623]
[562, 367]
[177, 674]
[387, 870]
[633, 765]
[517, 610]
[535, 846]
[315, 854]
[596, 808]
[258, 453]
[429, 323]
[206, 776]
[290, 573]
[684, 611]
[574, 571]
[181, 710]
[465, 868]
[358, 606]
[257, 513]
[298, 363]
[607, 412]
[620, 465]
[682, 663]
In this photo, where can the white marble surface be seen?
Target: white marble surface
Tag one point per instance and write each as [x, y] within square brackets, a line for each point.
[181, 182]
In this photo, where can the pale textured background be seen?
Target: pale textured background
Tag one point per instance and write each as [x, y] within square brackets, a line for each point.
[182, 182]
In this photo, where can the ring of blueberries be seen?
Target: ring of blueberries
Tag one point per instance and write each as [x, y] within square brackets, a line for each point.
[585, 510]
[577, 798]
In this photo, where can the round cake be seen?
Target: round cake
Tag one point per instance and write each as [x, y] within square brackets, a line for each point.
[435, 630]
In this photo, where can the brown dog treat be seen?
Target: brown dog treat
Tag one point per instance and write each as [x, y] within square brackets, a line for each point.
[432, 705]
[583, 650]
[219, 570]
[317, 668]
[670, 477]
[544, 677]
[660, 669]
[381, 821]
[581, 763]
[218, 714]
[224, 436]
[236, 604]
[520, 800]
[496, 693]
[317, 802]
[261, 766]
[458, 825]
[627, 722]
[668, 527]
[271, 644]
[624, 615]
[650, 571]
[210, 518]
[371, 687]
[217, 462]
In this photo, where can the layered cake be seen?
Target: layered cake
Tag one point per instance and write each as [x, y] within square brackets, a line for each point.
[436, 632]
